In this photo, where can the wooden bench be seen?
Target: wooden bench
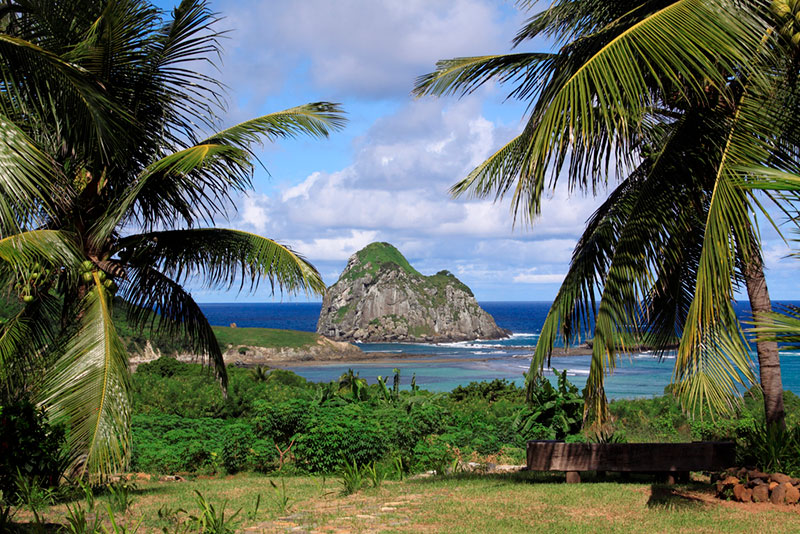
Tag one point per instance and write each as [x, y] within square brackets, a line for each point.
[674, 460]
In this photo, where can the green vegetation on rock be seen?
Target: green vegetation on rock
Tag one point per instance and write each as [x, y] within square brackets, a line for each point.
[377, 256]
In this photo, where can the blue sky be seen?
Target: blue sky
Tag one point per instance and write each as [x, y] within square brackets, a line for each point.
[386, 176]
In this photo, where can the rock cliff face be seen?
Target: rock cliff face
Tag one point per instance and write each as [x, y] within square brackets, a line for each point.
[323, 350]
[381, 297]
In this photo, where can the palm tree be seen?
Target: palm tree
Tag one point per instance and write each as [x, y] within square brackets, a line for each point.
[686, 103]
[109, 186]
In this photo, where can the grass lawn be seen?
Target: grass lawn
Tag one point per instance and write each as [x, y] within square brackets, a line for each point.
[517, 502]
[264, 337]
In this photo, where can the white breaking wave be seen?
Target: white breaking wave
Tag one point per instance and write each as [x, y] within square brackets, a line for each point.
[577, 372]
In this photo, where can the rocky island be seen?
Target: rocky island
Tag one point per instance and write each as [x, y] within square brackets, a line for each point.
[380, 297]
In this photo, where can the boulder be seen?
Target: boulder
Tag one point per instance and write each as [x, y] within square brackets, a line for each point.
[792, 493]
[755, 473]
[741, 493]
[761, 493]
[780, 478]
[778, 494]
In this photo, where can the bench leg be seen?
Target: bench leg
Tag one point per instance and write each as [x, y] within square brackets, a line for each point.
[573, 477]
[674, 477]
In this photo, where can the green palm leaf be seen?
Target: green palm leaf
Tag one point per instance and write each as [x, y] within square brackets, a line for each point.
[462, 76]
[158, 303]
[317, 119]
[24, 171]
[196, 182]
[220, 257]
[38, 84]
[88, 387]
[53, 246]
[780, 327]
[598, 96]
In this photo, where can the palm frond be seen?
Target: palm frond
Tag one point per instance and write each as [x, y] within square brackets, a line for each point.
[24, 171]
[317, 119]
[53, 246]
[573, 310]
[160, 304]
[41, 88]
[713, 357]
[88, 388]
[462, 76]
[596, 99]
[191, 184]
[220, 257]
[24, 340]
[782, 327]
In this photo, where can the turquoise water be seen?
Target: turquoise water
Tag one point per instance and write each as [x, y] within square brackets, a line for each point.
[641, 375]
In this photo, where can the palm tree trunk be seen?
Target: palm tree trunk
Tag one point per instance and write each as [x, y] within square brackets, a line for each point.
[768, 358]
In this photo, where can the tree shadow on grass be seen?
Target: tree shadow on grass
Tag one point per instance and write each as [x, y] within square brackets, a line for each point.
[518, 477]
[668, 497]
[32, 528]
[150, 489]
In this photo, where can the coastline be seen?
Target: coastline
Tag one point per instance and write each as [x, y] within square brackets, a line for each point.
[389, 358]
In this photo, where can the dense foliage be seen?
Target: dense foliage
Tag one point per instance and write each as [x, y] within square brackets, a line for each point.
[29, 446]
[183, 423]
[115, 168]
[676, 112]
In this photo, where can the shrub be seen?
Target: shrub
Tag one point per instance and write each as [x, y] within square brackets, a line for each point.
[491, 391]
[279, 422]
[428, 419]
[170, 443]
[30, 445]
[263, 455]
[238, 439]
[331, 440]
[432, 453]
[165, 367]
[286, 378]
[558, 408]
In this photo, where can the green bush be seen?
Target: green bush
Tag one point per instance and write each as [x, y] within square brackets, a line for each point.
[559, 408]
[491, 391]
[263, 455]
[433, 453]
[170, 443]
[30, 445]
[280, 421]
[659, 419]
[237, 441]
[332, 439]
[164, 367]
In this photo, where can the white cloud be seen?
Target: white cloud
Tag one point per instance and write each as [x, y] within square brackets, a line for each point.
[396, 190]
[338, 248]
[535, 278]
[301, 189]
[254, 213]
[371, 48]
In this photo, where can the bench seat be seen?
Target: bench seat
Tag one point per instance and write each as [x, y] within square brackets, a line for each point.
[678, 458]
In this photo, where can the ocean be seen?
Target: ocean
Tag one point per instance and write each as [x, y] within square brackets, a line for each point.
[640, 375]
